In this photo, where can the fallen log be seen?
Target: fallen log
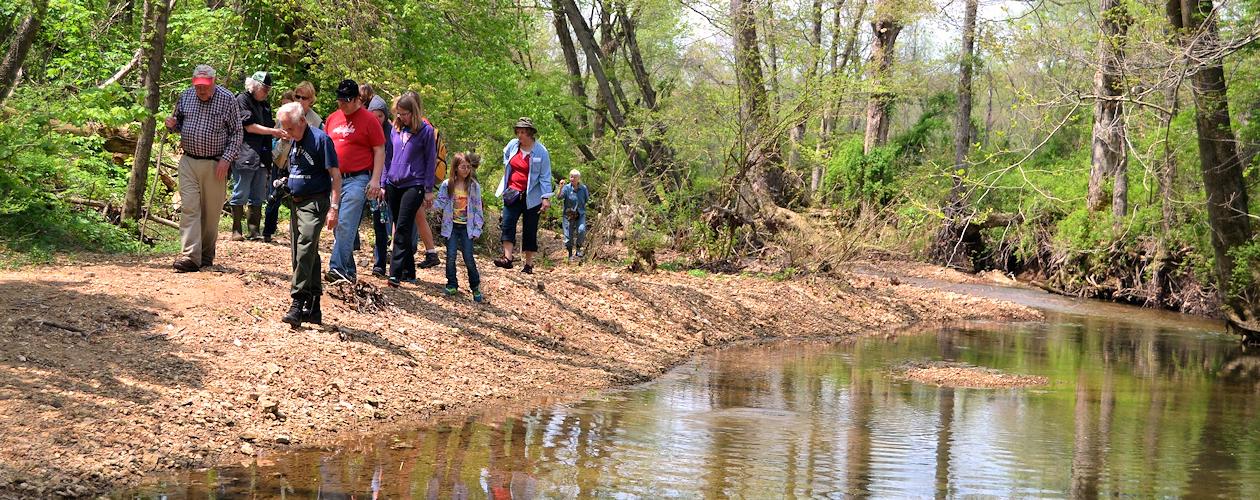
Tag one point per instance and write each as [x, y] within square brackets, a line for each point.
[117, 140]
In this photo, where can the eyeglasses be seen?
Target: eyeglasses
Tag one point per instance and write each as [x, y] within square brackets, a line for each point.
[302, 97]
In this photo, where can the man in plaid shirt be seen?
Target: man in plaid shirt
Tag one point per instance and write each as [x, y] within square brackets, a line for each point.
[208, 121]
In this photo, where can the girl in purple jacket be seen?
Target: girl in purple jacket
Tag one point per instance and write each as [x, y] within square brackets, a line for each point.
[410, 178]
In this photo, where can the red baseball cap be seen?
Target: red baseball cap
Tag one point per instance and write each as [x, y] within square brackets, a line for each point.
[203, 75]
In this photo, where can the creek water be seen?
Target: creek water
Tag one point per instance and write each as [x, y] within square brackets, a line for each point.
[1139, 403]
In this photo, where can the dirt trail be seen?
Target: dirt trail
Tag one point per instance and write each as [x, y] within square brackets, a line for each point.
[113, 369]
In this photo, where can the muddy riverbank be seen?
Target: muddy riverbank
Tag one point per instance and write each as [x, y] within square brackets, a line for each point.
[118, 368]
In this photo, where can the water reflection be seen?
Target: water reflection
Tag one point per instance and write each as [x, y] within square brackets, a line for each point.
[1135, 407]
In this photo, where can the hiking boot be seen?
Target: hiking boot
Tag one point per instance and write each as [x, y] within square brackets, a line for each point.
[477, 296]
[503, 262]
[296, 313]
[430, 260]
[311, 312]
[394, 282]
[451, 291]
[255, 217]
[333, 276]
[266, 238]
[527, 269]
[186, 265]
[237, 212]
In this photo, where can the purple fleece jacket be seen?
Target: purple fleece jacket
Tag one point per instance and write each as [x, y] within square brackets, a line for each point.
[415, 160]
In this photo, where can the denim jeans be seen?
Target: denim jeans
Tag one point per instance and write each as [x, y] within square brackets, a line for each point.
[574, 231]
[460, 242]
[249, 186]
[353, 198]
[383, 228]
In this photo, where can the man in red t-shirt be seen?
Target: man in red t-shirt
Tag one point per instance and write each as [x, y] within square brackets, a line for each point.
[360, 143]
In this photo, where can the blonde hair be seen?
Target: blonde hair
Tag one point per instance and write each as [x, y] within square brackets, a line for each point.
[307, 87]
[409, 101]
[473, 160]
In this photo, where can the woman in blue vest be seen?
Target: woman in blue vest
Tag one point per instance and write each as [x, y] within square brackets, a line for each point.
[526, 192]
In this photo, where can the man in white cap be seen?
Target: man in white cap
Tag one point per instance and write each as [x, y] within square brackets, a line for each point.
[208, 121]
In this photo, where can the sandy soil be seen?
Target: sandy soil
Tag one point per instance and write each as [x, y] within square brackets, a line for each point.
[119, 367]
[961, 375]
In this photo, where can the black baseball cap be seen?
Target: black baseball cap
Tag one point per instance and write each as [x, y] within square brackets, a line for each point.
[347, 89]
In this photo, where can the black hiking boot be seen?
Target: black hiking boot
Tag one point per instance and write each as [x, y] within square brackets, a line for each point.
[430, 260]
[296, 313]
[311, 313]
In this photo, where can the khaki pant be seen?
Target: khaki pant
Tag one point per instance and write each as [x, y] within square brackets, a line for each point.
[201, 196]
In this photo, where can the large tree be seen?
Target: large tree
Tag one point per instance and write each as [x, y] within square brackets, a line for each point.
[153, 43]
[19, 47]
[956, 237]
[885, 27]
[1227, 203]
[1108, 155]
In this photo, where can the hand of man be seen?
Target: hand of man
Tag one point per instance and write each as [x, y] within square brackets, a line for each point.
[546, 205]
[171, 122]
[428, 200]
[221, 169]
[374, 190]
[279, 133]
[331, 221]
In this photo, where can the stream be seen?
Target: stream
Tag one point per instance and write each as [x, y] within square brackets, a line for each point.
[1139, 403]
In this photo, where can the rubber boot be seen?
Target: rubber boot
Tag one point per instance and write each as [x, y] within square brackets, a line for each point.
[255, 217]
[237, 212]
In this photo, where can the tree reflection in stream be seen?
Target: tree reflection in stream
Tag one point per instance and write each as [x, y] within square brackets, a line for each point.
[1136, 406]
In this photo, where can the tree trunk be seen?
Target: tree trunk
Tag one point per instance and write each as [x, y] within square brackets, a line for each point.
[18, 48]
[660, 155]
[772, 47]
[962, 127]
[1168, 168]
[1108, 156]
[157, 12]
[885, 28]
[1218, 160]
[577, 88]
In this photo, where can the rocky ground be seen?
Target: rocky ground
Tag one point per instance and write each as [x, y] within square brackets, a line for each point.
[117, 367]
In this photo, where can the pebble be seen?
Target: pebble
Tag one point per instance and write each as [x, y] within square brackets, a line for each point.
[282, 439]
[21, 358]
[247, 449]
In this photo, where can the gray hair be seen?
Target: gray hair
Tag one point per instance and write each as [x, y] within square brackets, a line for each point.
[575, 172]
[252, 85]
[290, 114]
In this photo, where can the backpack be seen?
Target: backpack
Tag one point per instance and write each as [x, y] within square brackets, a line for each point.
[441, 152]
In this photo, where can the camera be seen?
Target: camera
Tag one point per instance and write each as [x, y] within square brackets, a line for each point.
[280, 190]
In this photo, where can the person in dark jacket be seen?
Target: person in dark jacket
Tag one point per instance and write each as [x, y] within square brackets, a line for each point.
[251, 173]
[382, 221]
[409, 177]
[314, 182]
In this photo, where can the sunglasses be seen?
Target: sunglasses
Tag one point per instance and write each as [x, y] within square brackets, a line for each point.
[302, 97]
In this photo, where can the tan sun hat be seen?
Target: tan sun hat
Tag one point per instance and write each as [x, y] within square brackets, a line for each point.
[525, 122]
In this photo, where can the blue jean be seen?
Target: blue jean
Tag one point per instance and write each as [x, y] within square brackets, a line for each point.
[460, 242]
[353, 199]
[249, 186]
[574, 231]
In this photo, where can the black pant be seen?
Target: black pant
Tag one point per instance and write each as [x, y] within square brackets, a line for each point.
[404, 203]
[271, 215]
[529, 238]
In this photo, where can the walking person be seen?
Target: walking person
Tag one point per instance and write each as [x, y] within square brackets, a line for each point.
[360, 145]
[314, 183]
[382, 222]
[574, 195]
[459, 200]
[252, 170]
[526, 192]
[208, 121]
[409, 182]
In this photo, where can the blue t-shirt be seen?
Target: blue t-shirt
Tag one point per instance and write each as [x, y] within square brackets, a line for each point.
[309, 161]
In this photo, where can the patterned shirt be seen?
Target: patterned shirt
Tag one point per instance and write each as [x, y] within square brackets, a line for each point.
[461, 203]
[209, 128]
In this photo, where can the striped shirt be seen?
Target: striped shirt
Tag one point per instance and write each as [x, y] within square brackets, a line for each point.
[209, 129]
